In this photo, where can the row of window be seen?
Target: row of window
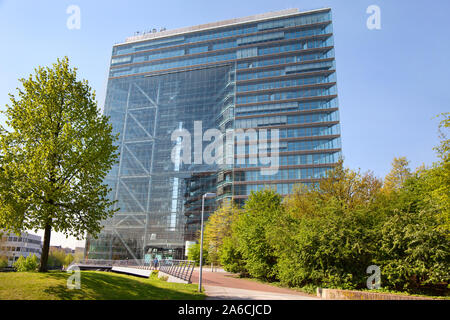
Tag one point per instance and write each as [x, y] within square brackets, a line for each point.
[155, 44]
[295, 21]
[20, 239]
[19, 249]
[215, 34]
[283, 174]
[281, 188]
[224, 45]
[304, 93]
[250, 52]
[309, 32]
[304, 45]
[284, 60]
[309, 132]
[301, 132]
[148, 56]
[315, 117]
[284, 35]
[313, 145]
[282, 120]
[295, 160]
[286, 83]
[145, 56]
[172, 64]
[196, 50]
[309, 67]
[290, 146]
[287, 106]
[260, 38]
[221, 34]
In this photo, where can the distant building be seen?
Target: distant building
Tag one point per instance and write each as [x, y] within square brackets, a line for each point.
[55, 248]
[66, 250]
[13, 246]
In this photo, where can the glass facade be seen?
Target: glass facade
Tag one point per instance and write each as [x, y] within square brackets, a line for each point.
[274, 71]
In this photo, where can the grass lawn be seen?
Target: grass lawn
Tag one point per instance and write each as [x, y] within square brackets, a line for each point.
[95, 285]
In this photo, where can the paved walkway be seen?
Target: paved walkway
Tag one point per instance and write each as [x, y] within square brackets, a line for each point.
[227, 286]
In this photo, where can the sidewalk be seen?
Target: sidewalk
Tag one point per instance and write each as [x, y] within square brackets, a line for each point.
[224, 293]
[227, 286]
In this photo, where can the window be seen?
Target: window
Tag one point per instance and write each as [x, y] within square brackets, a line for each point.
[245, 53]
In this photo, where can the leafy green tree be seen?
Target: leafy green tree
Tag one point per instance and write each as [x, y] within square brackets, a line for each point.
[54, 157]
[414, 252]
[20, 264]
[218, 227]
[230, 256]
[3, 257]
[347, 188]
[327, 238]
[261, 212]
[78, 256]
[68, 260]
[328, 235]
[56, 258]
[443, 149]
[332, 249]
[439, 175]
[194, 254]
[3, 262]
[400, 171]
[32, 262]
[351, 189]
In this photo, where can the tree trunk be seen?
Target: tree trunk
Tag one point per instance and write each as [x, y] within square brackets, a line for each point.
[45, 248]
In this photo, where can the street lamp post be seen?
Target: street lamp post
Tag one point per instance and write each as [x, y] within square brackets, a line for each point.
[206, 195]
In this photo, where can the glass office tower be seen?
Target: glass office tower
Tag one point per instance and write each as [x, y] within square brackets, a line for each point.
[273, 71]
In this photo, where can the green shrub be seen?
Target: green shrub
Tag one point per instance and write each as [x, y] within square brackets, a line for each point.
[68, 260]
[194, 254]
[3, 262]
[332, 249]
[252, 231]
[28, 264]
[154, 274]
[414, 249]
[414, 252]
[328, 235]
[56, 258]
[164, 278]
[231, 258]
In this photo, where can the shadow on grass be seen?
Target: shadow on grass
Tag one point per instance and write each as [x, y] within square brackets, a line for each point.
[110, 286]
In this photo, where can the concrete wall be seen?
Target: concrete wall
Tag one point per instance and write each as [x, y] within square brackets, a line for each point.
[171, 278]
[133, 271]
[146, 273]
[337, 294]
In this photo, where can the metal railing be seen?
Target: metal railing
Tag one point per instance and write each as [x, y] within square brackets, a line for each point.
[181, 269]
[96, 262]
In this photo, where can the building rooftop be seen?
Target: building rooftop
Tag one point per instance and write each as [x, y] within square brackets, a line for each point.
[219, 24]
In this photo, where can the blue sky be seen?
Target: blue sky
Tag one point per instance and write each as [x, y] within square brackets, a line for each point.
[391, 82]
